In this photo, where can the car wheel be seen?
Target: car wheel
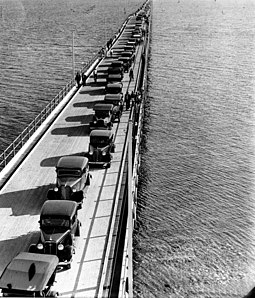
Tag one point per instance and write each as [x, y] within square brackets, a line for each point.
[113, 149]
[53, 294]
[68, 266]
[32, 248]
[51, 195]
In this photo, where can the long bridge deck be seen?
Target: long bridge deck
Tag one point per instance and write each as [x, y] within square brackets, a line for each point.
[23, 195]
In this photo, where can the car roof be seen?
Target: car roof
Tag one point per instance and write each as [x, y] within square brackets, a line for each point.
[116, 63]
[72, 162]
[114, 85]
[127, 53]
[110, 96]
[101, 133]
[103, 107]
[28, 272]
[114, 75]
[59, 208]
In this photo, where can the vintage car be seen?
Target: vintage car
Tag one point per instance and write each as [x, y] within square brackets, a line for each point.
[59, 225]
[72, 179]
[127, 61]
[117, 101]
[117, 63]
[29, 275]
[129, 48]
[115, 74]
[101, 145]
[115, 70]
[114, 77]
[103, 117]
[114, 88]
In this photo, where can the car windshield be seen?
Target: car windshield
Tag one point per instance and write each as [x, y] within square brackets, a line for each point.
[99, 141]
[69, 173]
[102, 114]
[49, 222]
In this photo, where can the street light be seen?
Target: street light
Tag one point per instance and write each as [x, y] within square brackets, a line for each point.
[73, 61]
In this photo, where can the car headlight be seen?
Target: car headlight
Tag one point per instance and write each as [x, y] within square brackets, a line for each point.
[55, 189]
[40, 246]
[74, 189]
[95, 122]
[60, 247]
[90, 152]
[103, 153]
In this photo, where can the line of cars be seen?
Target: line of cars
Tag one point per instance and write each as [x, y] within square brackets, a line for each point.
[122, 55]
[32, 274]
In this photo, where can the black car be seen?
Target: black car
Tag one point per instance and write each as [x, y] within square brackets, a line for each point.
[114, 88]
[117, 101]
[59, 225]
[72, 178]
[103, 117]
[101, 145]
[115, 73]
[114, 77]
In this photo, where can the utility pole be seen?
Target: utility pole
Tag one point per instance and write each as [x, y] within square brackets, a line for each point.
[73, 61]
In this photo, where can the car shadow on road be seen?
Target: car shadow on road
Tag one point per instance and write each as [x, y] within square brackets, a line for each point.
[23, 202]
[86, 104]
[72, 131]
[11, 247]
[83, 119]
[52, 161]
[94, 92]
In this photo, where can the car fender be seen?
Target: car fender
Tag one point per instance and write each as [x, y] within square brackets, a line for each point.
[33, 248]
[52, 194]
[78, 196]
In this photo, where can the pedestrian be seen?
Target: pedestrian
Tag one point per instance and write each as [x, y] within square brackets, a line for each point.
[126, 65]
[95, 75]
[84, 78]
[127, 100]
[78, 79]
[132, 96]
[131, 74]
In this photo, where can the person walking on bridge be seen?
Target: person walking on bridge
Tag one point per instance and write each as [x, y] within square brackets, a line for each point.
[84, 78]
[78, 79]
[95, 75]
[127, 100]
[131, 74]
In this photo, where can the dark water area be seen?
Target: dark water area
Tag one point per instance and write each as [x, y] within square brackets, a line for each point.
[36, 51]
[196, 230]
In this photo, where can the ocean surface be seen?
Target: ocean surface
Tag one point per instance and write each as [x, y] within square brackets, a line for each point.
[196, 231]
[195, 235]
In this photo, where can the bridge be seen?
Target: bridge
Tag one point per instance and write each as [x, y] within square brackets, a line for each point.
[102, 263]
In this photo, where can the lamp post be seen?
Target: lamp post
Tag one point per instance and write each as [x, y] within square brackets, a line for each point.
[73, 61]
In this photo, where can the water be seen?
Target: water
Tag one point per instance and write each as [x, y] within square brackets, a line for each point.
[195, 236]
[36, 51]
